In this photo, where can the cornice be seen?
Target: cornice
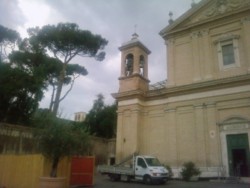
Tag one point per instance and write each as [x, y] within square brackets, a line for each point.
[200, 86]
[134, 43]
[133, 76]
[206, 17]
[183, 17]
[185, 89]
[208, 21]
[129, 95]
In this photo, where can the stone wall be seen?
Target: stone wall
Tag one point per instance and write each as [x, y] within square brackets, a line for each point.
[16, 139]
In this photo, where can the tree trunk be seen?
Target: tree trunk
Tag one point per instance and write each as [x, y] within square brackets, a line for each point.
[52, 98]
[59, 89]
[55, 162]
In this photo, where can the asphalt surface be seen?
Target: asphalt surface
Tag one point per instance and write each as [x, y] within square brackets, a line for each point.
[104, 182]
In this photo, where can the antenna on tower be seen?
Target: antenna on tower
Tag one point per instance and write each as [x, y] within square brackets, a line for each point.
[135, 27]
[170, 21]
[135, 35]
[193, 3]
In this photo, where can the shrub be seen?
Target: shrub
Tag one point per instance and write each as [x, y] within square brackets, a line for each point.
[169, 170]
[189, 170]
[58, 138]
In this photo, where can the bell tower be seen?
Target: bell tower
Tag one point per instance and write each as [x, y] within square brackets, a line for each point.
[134, 66]
[133, 84]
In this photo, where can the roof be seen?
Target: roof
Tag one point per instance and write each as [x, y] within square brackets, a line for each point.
[134, 42]
[203, 12]
[184, 16]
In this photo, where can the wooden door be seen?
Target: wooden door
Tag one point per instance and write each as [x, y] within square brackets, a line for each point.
[82, 171]
[238, 155]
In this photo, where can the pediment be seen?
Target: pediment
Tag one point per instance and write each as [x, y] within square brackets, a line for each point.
[234, 120]
[204, 11]
[234, 123]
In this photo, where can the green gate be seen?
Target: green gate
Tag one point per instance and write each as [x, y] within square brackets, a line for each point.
[238, 155]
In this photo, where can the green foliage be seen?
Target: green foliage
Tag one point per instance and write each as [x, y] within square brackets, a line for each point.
[20, 94]
[189, 169]
[23, 79]
[58, 138]
[22, 84]
[8, 39]
[25, 74]
[8, 35]
[101, 119]
[169, 170]
[66, 41]
[31, 70]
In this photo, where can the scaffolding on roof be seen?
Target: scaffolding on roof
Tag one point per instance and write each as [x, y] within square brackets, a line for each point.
[158, 85]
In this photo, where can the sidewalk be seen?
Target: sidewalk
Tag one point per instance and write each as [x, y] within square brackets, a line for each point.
[104, 182]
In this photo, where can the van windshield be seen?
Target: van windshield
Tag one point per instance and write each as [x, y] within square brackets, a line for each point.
[153, 162]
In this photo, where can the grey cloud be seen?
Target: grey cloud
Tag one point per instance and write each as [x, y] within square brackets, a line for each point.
[114, 20]
[11, 15]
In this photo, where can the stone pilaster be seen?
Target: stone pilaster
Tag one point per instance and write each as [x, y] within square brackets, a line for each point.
[246, 29]
[145, 72]
[122, 65]
[196, 56]
[200, 135]
[212, 136]
[136, 66]
[170, 62]
[119, 137]
[135, 120]
[171, 133]
[206, 55]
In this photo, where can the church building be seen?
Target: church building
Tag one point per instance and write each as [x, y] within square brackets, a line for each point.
[201, 112]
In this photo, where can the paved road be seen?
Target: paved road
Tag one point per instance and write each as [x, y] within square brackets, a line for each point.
[104, 182]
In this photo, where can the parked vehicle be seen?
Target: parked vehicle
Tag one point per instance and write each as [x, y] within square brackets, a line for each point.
[137, 167]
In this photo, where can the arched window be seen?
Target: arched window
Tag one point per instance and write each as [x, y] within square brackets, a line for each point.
[129, 63]
[142, 63]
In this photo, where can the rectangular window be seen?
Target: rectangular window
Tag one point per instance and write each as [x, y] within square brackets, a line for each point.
[228, 54]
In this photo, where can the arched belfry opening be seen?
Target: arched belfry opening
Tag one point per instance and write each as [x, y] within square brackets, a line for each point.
[134, 65]
[129, 64]
[142, 63]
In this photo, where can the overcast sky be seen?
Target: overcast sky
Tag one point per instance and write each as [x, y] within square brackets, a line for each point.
[115, 20]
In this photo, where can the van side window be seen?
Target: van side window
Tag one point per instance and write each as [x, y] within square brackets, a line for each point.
[141, 162]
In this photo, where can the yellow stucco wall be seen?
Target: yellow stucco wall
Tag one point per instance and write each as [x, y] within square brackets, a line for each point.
[193, 53]
[183, 131]
[187, 119]
[23, 171]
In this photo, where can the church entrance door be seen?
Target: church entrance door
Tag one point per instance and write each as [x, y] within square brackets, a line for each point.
[238, 155]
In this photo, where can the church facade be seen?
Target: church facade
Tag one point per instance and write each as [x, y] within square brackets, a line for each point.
[202, 112]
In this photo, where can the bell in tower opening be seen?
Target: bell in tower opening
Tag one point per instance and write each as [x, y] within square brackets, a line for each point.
[129, 63]
[142, 65]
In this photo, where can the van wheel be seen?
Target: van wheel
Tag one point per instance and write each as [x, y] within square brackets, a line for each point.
[128, 179]
[163, 182]
[115, 177]
[147, 179]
